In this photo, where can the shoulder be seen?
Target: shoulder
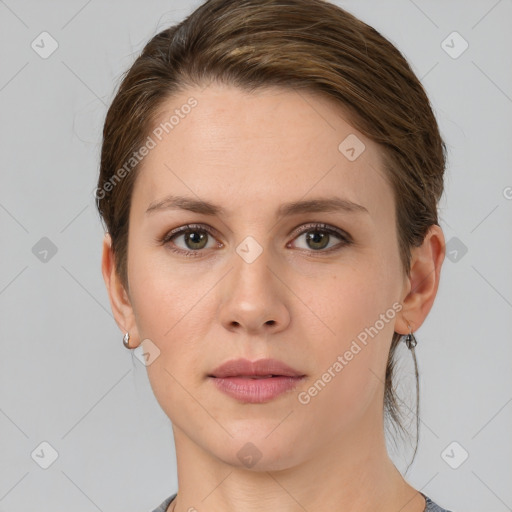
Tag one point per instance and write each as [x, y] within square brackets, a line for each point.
[163, 506]
[433, 507]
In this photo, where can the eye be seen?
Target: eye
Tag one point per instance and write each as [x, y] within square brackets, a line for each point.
[190, 240]
[194, 238]
[318, 237]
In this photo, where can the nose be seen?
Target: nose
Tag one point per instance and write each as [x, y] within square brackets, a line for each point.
[254, 297]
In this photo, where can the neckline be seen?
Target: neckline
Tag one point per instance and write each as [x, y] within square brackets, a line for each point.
[427, 501]
[168, 508]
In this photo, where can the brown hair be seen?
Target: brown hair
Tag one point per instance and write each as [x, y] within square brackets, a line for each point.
[301, 44]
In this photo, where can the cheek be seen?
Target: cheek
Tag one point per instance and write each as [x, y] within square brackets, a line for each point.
[353, 297]
[169, 310]
[173, 307]
[162, 292]
[359, 308]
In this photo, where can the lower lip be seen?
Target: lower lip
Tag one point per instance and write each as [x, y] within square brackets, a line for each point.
[255, 391]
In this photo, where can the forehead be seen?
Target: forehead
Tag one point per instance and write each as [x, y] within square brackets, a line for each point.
[259, 149]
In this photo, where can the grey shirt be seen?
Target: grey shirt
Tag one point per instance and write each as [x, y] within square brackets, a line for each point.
[431, 506]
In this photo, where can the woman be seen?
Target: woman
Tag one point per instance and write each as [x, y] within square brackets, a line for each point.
[270, 174]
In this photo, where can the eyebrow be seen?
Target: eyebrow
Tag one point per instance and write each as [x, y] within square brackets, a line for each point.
[327, 204]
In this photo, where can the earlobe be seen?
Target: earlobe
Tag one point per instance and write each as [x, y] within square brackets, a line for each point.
[423, 281]
[119, 299]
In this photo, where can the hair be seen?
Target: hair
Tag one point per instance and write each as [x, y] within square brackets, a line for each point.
[311, 45]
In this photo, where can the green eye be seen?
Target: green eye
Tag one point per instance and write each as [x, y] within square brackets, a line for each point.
[196, 238]
[318, 237]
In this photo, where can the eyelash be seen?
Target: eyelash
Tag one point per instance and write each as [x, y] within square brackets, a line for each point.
[321, 227]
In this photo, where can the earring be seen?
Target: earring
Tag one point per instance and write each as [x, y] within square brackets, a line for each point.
[126, 340]
[410, 339]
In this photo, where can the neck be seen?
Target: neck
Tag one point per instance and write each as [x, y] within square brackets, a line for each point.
[347, 472]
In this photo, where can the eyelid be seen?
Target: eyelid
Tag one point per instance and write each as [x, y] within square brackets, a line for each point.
[200, 227]
[299, 230]
[321, 226]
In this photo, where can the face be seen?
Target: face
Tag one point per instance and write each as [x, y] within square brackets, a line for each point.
[267, 270]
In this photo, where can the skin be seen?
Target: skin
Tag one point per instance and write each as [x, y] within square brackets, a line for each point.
[250, 153]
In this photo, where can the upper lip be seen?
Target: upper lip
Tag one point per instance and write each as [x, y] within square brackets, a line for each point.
[261, 367]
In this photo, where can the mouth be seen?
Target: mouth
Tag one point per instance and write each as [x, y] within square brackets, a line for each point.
[260, 369]
[255, 382]
[256, 376]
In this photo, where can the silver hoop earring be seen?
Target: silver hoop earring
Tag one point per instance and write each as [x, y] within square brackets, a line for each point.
[410, 339]
[126, 340]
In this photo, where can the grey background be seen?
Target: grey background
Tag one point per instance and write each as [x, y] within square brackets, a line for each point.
[65, 377]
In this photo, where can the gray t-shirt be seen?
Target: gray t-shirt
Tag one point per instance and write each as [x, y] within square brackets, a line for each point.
[431, 506]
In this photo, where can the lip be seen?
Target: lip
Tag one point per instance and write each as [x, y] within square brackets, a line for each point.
[236, 378]
[261, 367]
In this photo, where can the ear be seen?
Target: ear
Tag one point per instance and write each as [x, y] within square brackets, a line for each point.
[421, 285]
[119, 298]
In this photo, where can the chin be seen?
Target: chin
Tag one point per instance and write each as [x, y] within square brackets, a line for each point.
[253, 451]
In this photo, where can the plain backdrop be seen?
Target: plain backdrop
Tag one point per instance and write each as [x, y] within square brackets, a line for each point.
[72, 398]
